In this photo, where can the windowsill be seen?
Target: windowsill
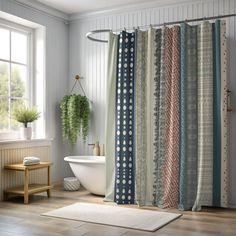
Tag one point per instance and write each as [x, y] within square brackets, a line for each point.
[20, 143]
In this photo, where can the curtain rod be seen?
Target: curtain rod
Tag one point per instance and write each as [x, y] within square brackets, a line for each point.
[90, 33]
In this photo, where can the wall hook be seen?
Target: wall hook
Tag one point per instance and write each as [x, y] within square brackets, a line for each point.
[77, 79]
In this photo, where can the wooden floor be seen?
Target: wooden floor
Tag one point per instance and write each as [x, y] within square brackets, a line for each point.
[25, 220]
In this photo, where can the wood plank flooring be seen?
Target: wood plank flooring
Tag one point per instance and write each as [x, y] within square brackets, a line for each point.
[19, 219]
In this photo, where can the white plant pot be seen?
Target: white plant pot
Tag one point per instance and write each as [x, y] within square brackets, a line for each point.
[26, 133]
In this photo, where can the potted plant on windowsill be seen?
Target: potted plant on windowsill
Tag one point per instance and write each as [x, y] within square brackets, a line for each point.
[26, 115]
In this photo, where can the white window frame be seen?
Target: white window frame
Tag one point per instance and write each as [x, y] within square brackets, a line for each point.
[30, 90]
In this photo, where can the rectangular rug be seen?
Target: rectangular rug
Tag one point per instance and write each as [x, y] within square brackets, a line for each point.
[115, 216]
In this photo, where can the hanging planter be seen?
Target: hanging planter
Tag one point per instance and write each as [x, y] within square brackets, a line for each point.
[75, 115]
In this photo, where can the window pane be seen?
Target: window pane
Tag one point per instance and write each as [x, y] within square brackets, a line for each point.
[4, 78]
[16, 103]
[18, 80]
[4, 44]
[4, 121]
[19, 47]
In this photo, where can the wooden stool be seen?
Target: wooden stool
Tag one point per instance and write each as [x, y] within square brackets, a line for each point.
[28, 189]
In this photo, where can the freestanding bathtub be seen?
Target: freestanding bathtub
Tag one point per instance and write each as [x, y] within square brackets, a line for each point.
[90, 170]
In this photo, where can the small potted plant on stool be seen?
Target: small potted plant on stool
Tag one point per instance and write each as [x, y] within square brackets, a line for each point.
[26, 115]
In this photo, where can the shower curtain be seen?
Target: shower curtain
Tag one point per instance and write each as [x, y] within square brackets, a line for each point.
[166, 119]
[110, 116]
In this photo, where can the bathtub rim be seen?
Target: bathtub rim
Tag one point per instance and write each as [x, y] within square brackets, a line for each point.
[85, 159]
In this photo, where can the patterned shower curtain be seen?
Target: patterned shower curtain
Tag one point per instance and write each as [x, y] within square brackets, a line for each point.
[141, 117]
[124, 141]
[170, 117]
[188, 117]
[166, 112]
[144, 104]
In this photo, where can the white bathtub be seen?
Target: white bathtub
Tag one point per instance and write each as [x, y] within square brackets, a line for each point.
[90, 170]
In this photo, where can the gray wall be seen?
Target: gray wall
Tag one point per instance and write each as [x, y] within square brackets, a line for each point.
[89, 58]
[57, 57]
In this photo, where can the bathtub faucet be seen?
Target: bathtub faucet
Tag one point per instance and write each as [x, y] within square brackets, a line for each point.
[96, 148]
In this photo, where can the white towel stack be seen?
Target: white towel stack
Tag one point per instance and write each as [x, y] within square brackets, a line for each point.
[31, 161]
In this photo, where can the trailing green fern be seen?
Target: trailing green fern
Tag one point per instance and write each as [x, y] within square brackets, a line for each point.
[64, 118]
[85, 115]
[75, 115]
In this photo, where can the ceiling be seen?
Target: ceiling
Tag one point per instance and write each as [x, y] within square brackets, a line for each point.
[82, 6]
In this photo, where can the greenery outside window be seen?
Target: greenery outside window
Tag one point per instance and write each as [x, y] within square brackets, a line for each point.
[15, 75]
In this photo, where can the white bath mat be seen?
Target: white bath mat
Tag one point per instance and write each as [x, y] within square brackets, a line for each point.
[116, 216]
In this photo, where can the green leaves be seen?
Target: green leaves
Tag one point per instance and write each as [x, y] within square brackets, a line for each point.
[64, 118]
[8, 104]
[26, 115]
[85, 116]
[75, 115]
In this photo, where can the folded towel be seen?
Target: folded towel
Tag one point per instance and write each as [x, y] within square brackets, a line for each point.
[32, 158]
[31, 161]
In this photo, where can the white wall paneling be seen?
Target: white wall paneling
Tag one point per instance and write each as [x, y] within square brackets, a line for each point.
[89, 58]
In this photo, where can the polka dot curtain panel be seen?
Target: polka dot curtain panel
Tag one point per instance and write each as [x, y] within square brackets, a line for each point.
[124, 133]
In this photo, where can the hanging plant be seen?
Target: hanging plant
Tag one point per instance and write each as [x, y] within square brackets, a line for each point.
[75, 115]
[64, 117]
[85, 116]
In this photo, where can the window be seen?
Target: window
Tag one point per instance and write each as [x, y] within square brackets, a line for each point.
[15, 79]
[22, 73]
